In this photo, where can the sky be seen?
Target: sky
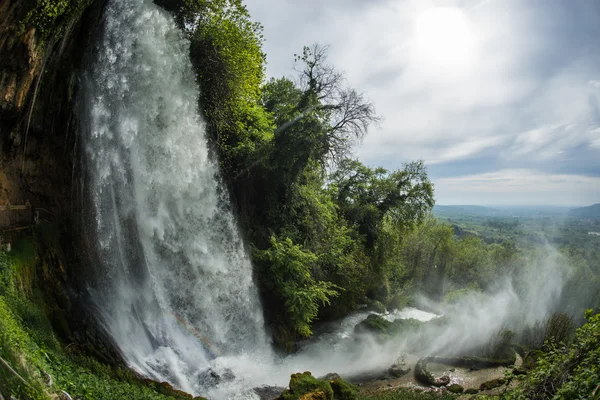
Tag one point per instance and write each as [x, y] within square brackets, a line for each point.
[500, 98]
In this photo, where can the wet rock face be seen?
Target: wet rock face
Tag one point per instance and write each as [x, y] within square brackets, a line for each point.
[423, 375]
[20, 59]
[268, 392]
[211, 378]
[38, 79]
[493, 384]
[39, 155]
[398, 370]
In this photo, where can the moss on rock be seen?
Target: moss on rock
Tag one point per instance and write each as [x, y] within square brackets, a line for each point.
[383, 328]
[303, 386]
[374, 324]
[343, 390]
[456, 388]
[492, 384]
[422, 374]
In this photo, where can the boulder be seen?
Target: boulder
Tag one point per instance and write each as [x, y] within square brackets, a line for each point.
[210, 377]
[456, 388]
[475, 363]
[303, 386]
[268, 392]
[442, 381]
[343, 390]
[398, 370]
[332, 376]
[374, 324]
[493, 384]
[423, 375]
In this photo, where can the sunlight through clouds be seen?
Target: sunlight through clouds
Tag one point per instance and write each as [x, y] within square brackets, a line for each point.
[466, 85]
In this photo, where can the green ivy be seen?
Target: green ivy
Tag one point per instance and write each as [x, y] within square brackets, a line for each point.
[50, 18]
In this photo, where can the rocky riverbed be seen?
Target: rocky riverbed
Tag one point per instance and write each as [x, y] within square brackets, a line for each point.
[470, 379]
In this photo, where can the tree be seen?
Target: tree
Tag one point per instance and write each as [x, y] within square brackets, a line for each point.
[317, 117]
[427, 251]
[289, 267]
[366, 196]
[226, 51]
[344, 112]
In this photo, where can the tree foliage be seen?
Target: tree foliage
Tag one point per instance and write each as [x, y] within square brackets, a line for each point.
[344, 112]
[279, 144]
[367, 196]
[289, 269]
[566, 371]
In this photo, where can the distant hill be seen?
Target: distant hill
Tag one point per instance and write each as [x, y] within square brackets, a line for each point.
[465, 210]
[592, 211]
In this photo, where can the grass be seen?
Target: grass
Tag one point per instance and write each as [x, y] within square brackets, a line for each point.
[406, 394]
[30, 346]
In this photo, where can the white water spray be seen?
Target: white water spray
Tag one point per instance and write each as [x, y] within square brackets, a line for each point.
[176, 286]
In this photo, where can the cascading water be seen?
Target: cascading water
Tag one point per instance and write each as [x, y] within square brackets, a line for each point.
[176, 286]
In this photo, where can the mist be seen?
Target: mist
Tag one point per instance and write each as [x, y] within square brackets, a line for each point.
[517, 301]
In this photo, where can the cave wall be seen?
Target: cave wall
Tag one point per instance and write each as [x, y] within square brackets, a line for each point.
[40, 159]
[39, 75]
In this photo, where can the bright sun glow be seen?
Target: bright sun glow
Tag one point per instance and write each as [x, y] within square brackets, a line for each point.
[443, 36]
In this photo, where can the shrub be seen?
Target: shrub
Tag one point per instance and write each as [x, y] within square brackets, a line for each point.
[565, 371]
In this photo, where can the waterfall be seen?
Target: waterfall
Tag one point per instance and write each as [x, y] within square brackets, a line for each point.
[172, 280]
[175, 284]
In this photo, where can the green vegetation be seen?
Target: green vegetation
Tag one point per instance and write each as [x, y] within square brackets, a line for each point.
[324, 229]
[329, 234]
[305, 386]
[455, 388]
[443, 262]
[29, 345]
[289, 270]
[407, 394]
[51, 18]
[565, 371]
[384, 329]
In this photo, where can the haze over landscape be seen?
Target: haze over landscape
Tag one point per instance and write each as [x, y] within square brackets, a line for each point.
[499, 98]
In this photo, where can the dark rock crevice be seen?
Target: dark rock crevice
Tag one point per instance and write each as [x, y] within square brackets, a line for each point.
[40, 159]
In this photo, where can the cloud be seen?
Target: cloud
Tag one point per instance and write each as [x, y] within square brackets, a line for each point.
[526, 97]
[529, 186]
